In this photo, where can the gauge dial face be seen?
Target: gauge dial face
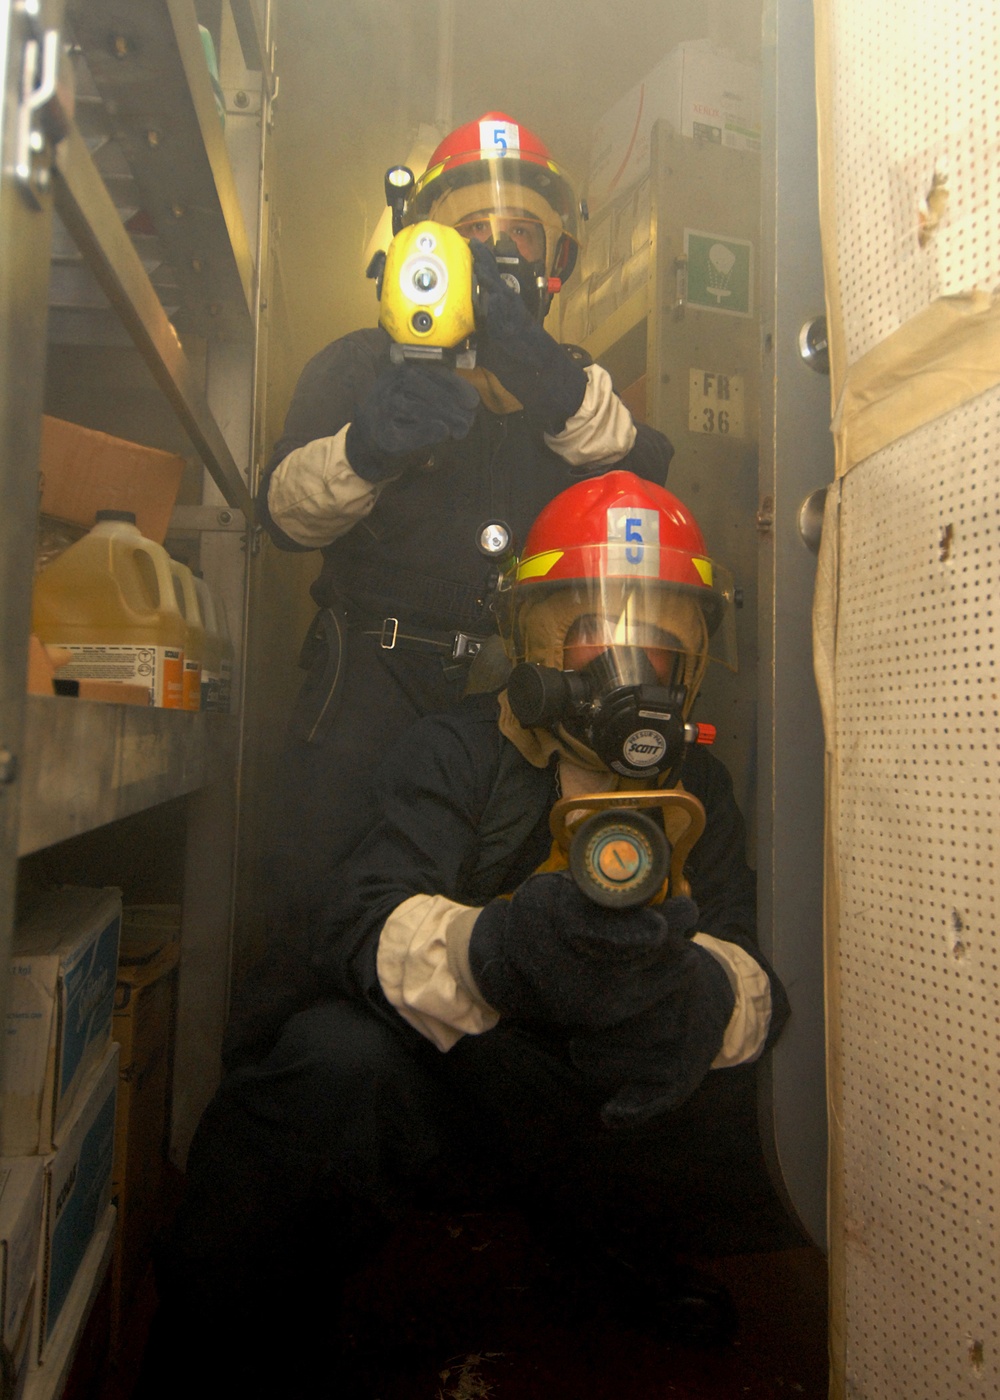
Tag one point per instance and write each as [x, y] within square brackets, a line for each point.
[619, 858]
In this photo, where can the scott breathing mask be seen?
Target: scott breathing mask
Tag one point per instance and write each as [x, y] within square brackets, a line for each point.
[520, 254]
[625, 703]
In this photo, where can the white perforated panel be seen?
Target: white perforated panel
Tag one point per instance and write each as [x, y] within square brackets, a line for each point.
[916, 121]
[917, 708]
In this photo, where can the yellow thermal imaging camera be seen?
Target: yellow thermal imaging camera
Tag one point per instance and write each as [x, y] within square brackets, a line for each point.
[428, 293]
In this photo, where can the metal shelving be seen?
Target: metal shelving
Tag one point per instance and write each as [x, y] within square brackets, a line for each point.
[89, 215]
[147, 65]
[87, 763]
[135, 195]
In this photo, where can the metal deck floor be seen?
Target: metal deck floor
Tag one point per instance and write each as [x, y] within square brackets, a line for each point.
[475, 1307]
[497, 1318]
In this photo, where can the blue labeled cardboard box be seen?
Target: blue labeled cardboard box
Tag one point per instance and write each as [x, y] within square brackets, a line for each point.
[58, 1025]
[22, 1180]
[77, 1191]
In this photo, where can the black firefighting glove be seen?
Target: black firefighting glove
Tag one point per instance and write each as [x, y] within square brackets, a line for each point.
[546, 381]
[655, 1060]
[648, 1008]
[551, 954]
[410, 410]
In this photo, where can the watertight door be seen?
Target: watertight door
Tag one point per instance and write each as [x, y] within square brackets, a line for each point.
[796, 464]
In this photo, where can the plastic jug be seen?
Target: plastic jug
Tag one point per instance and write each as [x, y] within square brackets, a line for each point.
[109, 599]
[194, 645]
[217, 661]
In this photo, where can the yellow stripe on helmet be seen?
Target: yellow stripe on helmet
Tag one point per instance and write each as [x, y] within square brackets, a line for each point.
[539, 564]
[704, 567]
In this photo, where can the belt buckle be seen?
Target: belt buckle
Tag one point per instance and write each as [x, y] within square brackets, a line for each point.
[465, 647]
[391, 643]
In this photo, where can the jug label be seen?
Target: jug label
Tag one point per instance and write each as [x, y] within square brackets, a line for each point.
[159, 668]
[192, 684]
[211, 690]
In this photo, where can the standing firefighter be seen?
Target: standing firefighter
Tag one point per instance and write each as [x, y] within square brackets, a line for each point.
[391, 469]
[481, 1014]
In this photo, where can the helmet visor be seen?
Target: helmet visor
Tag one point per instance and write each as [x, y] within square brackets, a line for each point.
[483, 185]
[528, 234]
[568, 605]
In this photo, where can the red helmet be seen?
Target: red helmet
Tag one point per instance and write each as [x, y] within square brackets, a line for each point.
[617, 537]
[496, 166]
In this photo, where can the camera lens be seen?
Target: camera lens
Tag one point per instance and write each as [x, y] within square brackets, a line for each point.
[421, 321]
[425, 279]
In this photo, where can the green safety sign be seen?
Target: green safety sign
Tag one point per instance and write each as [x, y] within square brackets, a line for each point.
[718, 272]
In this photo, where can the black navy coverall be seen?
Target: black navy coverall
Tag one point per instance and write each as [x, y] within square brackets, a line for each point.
[355, 1107]
[409, 573]
[413, 559]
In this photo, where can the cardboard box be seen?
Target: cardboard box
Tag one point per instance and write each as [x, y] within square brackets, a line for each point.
[595, 258]
[642, 212]
[142, 1028]
[635, 272]
[623, 230]
[84, 471]
[161, 923]
[605, 297]
[634, 398]
[15, 1361]
[701, 91]
[22, 1181]
[575, 320]
[77, 1193]
[59, 1004]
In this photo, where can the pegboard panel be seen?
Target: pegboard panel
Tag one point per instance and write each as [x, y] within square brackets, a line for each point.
[916, 137]
[917, 706]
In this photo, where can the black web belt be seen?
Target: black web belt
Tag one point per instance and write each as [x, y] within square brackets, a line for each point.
[392, 634]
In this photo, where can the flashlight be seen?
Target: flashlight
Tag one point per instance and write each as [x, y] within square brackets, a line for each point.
[495, 540]
[399, 184]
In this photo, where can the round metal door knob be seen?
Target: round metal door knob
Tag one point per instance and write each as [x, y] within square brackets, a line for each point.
[814, 346]
[811, 519]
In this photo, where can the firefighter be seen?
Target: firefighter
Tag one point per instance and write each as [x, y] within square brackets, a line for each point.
[481, 1014]
[390, 470]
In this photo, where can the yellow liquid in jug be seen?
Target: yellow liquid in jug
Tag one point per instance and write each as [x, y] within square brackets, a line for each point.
[109, 600]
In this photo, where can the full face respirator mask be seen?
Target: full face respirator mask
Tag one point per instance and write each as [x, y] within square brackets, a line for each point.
[617, 705]
[527, 279]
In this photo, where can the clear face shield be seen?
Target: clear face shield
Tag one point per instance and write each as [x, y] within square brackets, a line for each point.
[496, 198]
[616, 662]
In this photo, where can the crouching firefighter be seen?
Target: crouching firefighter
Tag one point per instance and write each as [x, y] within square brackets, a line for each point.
[481, 1011]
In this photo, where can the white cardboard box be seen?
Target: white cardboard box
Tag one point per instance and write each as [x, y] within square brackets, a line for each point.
[701, 91]
[574, 322]
[59, 1006]
[47, 1381]
[77, 1193]
[22, 1181]
[17, 1359]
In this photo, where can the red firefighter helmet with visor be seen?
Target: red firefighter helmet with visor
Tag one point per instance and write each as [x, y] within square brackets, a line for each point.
[498, 170]
[623, 554]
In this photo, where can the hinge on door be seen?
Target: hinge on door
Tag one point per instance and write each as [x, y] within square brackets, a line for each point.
[45, 107]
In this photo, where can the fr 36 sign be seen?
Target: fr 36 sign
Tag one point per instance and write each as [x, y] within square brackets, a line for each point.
[715, 403]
